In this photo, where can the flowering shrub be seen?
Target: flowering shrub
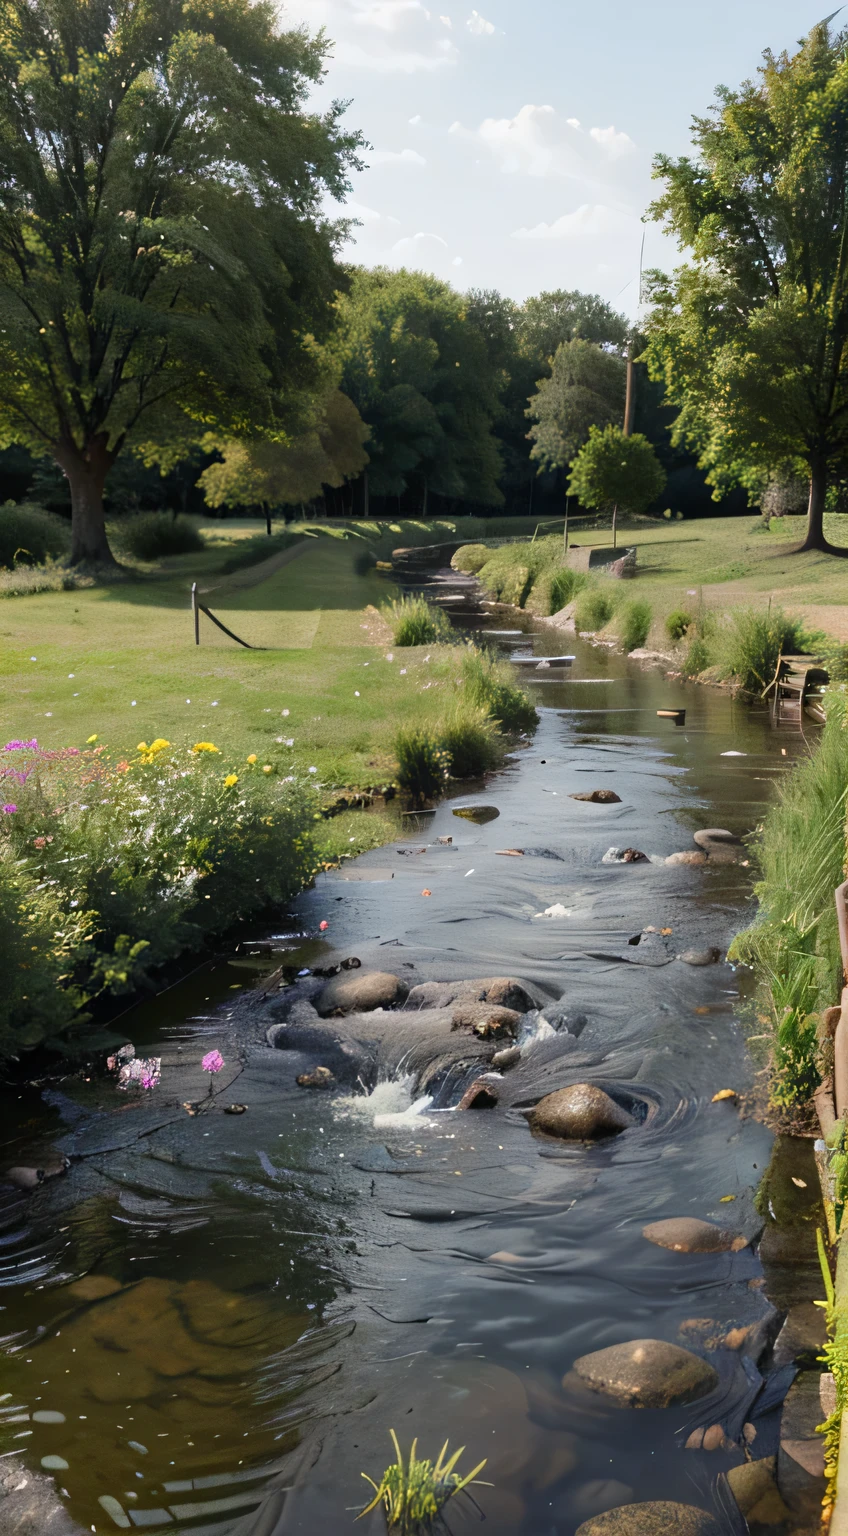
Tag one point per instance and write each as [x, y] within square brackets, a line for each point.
[110, 867]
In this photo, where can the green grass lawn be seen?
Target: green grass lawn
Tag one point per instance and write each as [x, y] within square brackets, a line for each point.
[119, 661]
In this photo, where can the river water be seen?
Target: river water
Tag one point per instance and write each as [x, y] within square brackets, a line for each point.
[213, 1321]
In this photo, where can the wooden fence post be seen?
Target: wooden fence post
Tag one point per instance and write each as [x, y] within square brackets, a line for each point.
[196, 611]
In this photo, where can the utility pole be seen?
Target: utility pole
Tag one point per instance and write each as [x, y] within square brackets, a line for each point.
[630, 396]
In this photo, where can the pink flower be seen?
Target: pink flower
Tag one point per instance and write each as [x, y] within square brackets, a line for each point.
[9, 810]
[323, 925]
[213, 1061]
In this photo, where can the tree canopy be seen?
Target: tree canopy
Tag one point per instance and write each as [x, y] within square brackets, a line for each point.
[612, 470]
[420, 376]
[585, 389]
[750, 337]
[164, 262]
[264, 473]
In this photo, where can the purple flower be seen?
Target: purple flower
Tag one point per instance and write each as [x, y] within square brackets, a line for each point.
[9, 810]
[213, 1061]
[20, 746]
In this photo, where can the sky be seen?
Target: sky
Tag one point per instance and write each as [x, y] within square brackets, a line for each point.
[512, 146]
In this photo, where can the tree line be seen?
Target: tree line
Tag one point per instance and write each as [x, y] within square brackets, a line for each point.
[172, 294]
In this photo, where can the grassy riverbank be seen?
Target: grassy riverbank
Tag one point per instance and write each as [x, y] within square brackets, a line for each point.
[716, 565]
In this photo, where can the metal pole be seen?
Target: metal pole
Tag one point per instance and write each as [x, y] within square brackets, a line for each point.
[196, 611]
[630, 397]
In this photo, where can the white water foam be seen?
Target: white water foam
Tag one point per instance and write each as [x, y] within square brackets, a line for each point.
[389, 1104]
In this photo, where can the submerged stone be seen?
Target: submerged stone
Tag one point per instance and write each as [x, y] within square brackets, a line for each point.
[687, 1234]
[654, 1519]
[320, 1077]
[479, 814]
[580, 1113]
[646, 1373]
[361, 992]
[716, 837]
[688, 856]
[700, 956]
[598, 797]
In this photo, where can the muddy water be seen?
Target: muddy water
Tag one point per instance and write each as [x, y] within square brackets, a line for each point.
[212, 1322]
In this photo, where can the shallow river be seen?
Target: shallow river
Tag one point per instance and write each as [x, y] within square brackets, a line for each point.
[212, 1321]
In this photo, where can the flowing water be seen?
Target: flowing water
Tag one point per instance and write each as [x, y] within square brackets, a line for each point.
[213, 1320]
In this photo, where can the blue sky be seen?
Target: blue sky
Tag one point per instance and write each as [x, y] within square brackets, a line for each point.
[512, 145]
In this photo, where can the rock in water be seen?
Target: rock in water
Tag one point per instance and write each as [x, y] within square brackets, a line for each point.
[700, 956]
[479, 814]
[480, 1095]
[686, 1234]
[716, 837]
[361, 993]
[507, 1058]
[688, 856]
[598, 797]
[580, 1113]
[320, 1077]
[646, 1373]
[655, 1519]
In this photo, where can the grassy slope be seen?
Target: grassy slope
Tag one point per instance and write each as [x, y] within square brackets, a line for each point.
[734, 565]
[134, 641]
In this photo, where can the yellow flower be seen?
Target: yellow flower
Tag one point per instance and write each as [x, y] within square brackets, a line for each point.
[159, 744]
[204, 746]
[267, 768]
[89, 740]
[142, 747]
[230, 780]
[252, 758]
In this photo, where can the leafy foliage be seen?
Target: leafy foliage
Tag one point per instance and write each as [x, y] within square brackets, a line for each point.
[413, 1496]
[471, 558]
[470, 739]
[282, 473]
[489, 684]
[423, 766]
[585, 390]
[595, 608]
[29, 535]
[677, 623]
[163, 253]
[756, 640]
[152, 535]
[749, 337]
[614, 470]
[416, 622]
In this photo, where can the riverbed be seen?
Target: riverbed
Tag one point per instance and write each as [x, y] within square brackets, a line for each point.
[213, 1320]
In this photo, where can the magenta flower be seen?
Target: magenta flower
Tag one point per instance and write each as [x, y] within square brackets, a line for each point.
[20, 746]
[213, 1061]
[9, 810]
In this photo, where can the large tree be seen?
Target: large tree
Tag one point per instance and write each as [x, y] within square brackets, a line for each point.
[163, 259]
[419, 373]
[750, 337]
[585, 390]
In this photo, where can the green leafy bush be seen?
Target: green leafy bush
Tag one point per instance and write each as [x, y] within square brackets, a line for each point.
[490, 685]
[142, 861]
[595, 608]
[415, 622]
[29, 535]
[470, 739]
[423, 765]
[754, 642]
[677, 624]
[635, 622]
[471, 558]
[152, 535]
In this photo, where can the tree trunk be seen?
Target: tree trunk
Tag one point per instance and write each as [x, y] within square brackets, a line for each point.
[630, 397]
[815, 538]
[86, 474]
[268, 519]
[614, 520]
[426, 495]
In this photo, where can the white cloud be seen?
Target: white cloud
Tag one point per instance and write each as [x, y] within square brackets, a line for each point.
[399, 37]
[446, 22]
[388, 15]
[457, 261]
[396, 157]
[392, 62]
[479, 26]
[616, 144]
[538, 142]
[365, 215]
[589, 221]
[414, 121]
[423, 247]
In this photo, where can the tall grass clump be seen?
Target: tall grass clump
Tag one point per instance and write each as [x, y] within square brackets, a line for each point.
[414, 621]
[565, 585]
[754, 643]
[51, 576]
[117, 865]
[414, 1495]
[793, 945]
[513, 570]
[153, 535]
[697, 657]
[423, 766]
[470, 558]
[594, 609]
[676, 624]
[470, 740]
[29, 535]
[634, 623]
[489, 684]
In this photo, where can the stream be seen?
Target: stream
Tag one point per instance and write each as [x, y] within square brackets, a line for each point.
[212, 1320]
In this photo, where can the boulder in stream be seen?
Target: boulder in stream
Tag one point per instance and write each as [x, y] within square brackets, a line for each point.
[361, 992]
[646, 1373]
[654, 1519]
[507, 1058]
[319, 1077]
[502, 991]
[713, 839]
[486, 1019]
[692, 856]
[701, 956]
[598, 797]
[687, 1234]
[582, 1112]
